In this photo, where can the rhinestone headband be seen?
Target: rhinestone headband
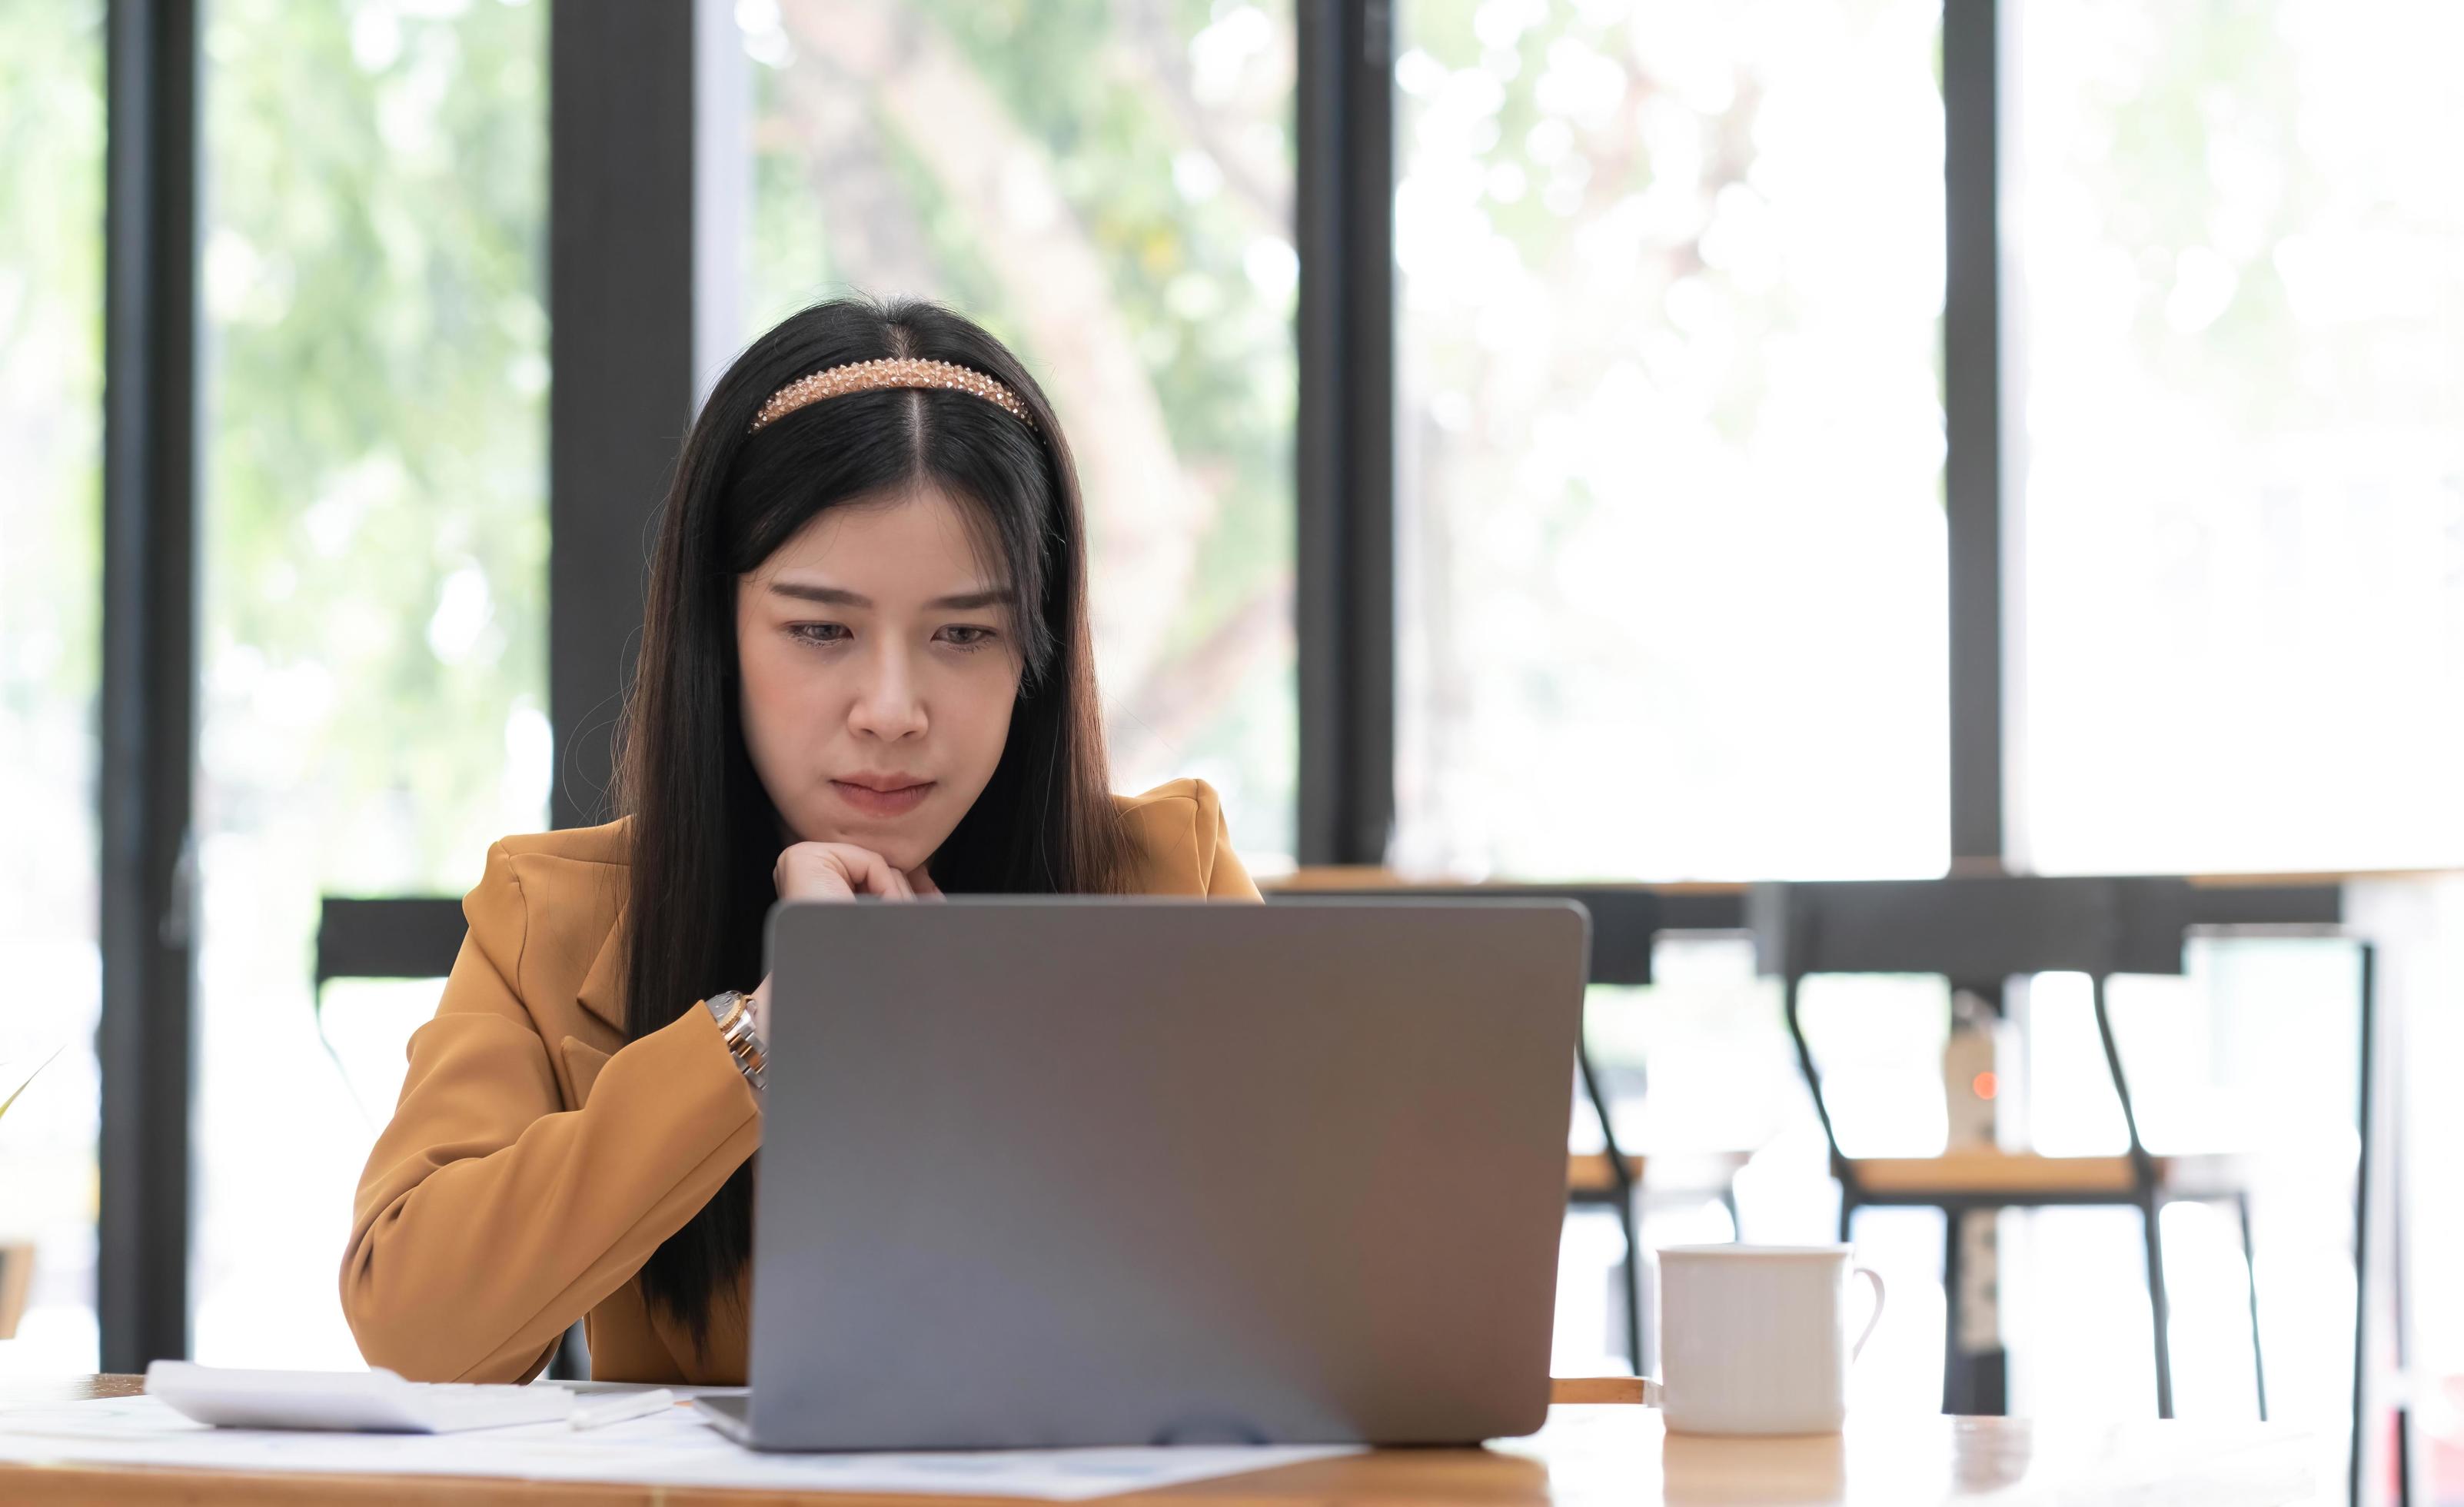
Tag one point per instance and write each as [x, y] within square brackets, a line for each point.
[893, 371]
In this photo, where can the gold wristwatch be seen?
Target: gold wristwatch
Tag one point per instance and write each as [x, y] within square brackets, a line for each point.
[733, 1010]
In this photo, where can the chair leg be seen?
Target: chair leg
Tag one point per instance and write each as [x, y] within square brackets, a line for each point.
[1954, 1396]
[1847, 1216]
[1630, 1223]
[2250, 1265]
[2159, 1309]
[1736, 1221]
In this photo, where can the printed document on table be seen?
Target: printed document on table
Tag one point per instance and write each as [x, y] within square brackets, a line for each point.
[674, 1449]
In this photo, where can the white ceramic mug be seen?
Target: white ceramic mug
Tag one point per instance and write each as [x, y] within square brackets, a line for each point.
[1753, 1339]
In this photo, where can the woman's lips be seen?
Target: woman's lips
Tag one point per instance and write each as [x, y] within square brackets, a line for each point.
[882, 803]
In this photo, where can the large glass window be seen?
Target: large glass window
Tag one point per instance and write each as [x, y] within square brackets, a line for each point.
[1109, 189]
[50, 492]
[1672, 585]
[2239, 247]
[374, 528]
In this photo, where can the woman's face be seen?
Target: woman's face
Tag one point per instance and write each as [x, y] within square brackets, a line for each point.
[879, 660]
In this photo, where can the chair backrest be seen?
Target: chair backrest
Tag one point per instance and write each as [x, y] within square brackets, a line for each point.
[386, 939]
[1972, 929]
[1626, 918]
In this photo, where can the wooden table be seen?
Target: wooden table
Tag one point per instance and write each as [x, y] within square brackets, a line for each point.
[1588, 1453]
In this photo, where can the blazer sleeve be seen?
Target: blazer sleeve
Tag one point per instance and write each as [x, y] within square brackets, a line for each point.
[490, 1218]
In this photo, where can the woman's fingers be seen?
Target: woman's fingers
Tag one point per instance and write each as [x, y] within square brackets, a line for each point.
[873, 875]
[808, 872]
[923, 884]
[837, 870]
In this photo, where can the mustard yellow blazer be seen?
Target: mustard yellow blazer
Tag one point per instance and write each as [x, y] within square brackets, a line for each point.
[536, 1158]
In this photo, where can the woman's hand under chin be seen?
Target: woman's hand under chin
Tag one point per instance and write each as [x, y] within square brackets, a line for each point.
[841, 871]
[837, 870]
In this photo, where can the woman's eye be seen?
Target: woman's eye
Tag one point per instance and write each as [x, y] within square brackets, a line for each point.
[965, 635]
[820, 632]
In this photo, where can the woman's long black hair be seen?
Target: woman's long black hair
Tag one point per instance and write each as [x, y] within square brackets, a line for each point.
[705, 835]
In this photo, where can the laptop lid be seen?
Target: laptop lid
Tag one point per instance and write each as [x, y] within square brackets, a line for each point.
[1048, 1172]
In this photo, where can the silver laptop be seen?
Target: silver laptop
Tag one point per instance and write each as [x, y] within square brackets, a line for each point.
[1038, 1172]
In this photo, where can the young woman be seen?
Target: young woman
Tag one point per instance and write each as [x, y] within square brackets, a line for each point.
[865, 671]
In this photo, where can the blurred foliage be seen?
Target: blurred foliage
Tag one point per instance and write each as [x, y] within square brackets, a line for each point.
[1669, 433]
[51, 511]
[2223, 80]
[50, 458]
[375, 369]
[1178, 186]
[2242, 345]
[1218, 349]
[374, 366]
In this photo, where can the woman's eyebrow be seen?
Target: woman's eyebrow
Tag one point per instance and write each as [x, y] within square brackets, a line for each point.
[835, 596]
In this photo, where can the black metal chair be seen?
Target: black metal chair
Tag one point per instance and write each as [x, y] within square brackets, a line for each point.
[1978, 932]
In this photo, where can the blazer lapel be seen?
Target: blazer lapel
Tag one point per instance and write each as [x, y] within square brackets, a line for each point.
[602, 987]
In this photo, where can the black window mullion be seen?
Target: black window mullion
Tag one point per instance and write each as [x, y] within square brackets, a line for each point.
[146, 1042]
[1345, 490]
[621, 344]
[1972, 479]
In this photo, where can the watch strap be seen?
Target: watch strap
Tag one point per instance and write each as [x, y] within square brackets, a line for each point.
[733, 1010]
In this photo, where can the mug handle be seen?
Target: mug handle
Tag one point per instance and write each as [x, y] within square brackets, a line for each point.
[1874, 1277]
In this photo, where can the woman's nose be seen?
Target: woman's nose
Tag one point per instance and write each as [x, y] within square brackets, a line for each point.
[887, 704]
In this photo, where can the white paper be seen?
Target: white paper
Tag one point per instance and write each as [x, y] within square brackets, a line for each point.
[672, 1449]
[375, 1400]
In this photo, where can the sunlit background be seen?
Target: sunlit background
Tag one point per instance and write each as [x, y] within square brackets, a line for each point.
[1671, 440]
[1672, 598]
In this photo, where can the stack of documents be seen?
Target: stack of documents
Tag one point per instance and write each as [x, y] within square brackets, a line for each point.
[669, 1448]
